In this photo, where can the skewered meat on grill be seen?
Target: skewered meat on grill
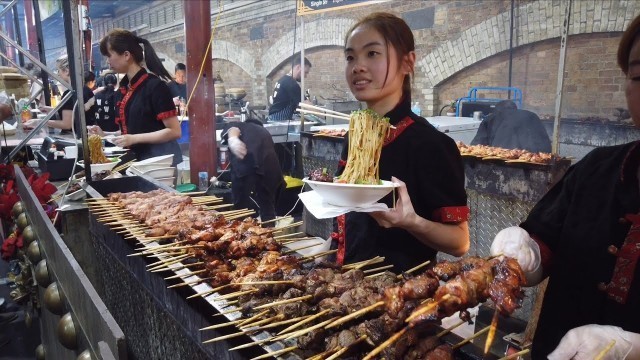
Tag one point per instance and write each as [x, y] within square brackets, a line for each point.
[506, 154]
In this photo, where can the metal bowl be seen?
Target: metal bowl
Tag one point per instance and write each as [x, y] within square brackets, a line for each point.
[54, 299]
[40, 352]
[67, 334]
[33, 252]
[28, 235]
[22, 220]
[42, 273]
[18, 208]
[85, 355]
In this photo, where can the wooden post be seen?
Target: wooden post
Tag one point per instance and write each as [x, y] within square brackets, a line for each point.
[563, 56]
[202, 122]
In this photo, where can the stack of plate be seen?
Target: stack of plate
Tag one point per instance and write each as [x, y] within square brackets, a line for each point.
[158, 168]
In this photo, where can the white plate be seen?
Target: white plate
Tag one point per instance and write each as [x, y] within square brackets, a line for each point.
[112, 149]
[169, 181]
[161, 173]
[350, 195]
[167, 160]
[7, 129]
[76, 195]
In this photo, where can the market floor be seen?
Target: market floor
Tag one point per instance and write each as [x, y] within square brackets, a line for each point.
[22, 340]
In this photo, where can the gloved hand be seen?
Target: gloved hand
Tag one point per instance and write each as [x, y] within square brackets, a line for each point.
[515, 242]
[237, 147]
[588, 341]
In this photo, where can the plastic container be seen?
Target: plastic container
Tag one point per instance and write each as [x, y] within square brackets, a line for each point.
[184, 138]
[224, 157]
[203, 180]
[184, 188]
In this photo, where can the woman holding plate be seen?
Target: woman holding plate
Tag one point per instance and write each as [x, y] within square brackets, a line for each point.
[431, 211]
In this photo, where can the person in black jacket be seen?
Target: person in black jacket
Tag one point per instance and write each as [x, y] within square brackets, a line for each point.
[286, 93]
[256, 177]
[106, 104]
[512, 128]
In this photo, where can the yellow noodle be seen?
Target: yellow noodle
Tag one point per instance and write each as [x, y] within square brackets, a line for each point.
[367, 131]
[95, 150]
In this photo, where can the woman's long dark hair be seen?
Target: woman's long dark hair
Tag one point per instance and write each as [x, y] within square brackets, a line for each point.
[121, 40]
[396, 33]
[110, 82]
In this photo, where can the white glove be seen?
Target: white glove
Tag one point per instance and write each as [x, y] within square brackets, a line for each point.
[516, 243]
[588, 341]
[237, 147]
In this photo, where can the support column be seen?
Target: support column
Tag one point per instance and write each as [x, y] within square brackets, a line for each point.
[32, 35]
[202, 123]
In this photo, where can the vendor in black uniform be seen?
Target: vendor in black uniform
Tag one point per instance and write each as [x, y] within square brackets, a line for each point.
[106, 104]
[254, 168]
[584, 234]
[286, 92]
[431, 211]
[178, 85]
[146, 112]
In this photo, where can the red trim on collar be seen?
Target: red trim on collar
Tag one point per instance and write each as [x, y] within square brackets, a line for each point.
[122, 119]
[630, 160]
[624, 271]
[451, 214]
[340, 237]
[167, 114]
[399, 129]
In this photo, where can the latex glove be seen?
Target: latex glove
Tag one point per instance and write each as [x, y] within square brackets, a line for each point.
[588, 341]
[237, 147]
[516, 243]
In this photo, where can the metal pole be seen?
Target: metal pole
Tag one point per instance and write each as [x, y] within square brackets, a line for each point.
[16, 23]
[301, 69]
[511, 26]
[74, 53]
[40, 37]
[563, 56]
[32, 58]
[8, 7]
[31, 77]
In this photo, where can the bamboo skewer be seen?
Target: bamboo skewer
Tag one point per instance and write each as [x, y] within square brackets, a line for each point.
[321, 355]
[218, 326]
[346, 348]
[186, 275]
[288, 235]
[295, 224]
[426, 309]
[282, 302]
[356, 314]
[186, 283]
[448, 330]
[299, 333]
[297, 249]
[415, 268]
[378, 269]
[321, 114]
[604, 351]
[162, 261]
[236, 294]
[320, 108]
[306, 321]
[519, 353]
[276, 219]
[386, 343]
[253, 318]
[363, 263]
[471, 337]
[275, 353]
[178, 267]
[255, 326]
[313, 257]
[280, 323]
[492, 332]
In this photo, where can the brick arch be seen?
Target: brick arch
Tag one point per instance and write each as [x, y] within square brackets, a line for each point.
[536, 21]
[229, 51]
[319, 33]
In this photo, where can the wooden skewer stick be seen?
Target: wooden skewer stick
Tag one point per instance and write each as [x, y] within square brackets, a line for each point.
[294, 240]
[173, 248]
[165, 265]
[492, 332]
[217, 206]
[299, 333]
[186, 275]
[282, 302]
[313, 257]
[302, 248]
[145, 247]
[306, 321]
[253, 318]
[415, 268]
[448, 330]
[244, 346]
[604, 351]
[377, 269]
[275, 353]
[386, 343]
[521, 352]
[287, 235]
[266, 282]
[426, 309]
[320, 108]
[254, 326]
[218, 326]
[154, 238]
[322, 114]
[236, 294]
[203, 294]
[295, 224]
[279, 323]
[359, 264]
[346, 348]
[177, 267]
[225, 337]
[163, 261]
[356, 314]
[186, 283]
[471, 337]
[321, 356]
[276, 219]
[239, 216]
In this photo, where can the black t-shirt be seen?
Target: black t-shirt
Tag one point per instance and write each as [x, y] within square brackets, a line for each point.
[89, 115]
[286, 97]
[179, 90]
[105, 113]
[149, 104]
[578, 219]
[429, 162]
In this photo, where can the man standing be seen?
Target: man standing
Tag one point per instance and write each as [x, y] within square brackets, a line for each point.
[286, 92]
[178, 86]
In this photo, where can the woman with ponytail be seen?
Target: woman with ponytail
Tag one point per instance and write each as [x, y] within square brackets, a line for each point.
[145, 111]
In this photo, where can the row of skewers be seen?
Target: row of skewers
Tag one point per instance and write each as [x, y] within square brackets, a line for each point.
[322, 310]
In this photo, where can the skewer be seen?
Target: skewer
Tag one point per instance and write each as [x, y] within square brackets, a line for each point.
[282, 302]
[280, 323]
[276, 219]
[155, 251]
[519, 353]
[373, 260]
[178, 267]
[225, 337]
[146, 240]
[386, 343]
[604, 351]
[236, 294]
[240, 215]
[306, 321]
[356, 314]
[145, 247]
[426, 309]
[299, 333]
[218, 326]
[255, 326]
[165, 266]
[162, 261]
[313, 257]
[492, 332]
[415, 268]
[275, 353]
[377, 269]
[297, 249]
[471, 337]
[320, 108]
[346, 348]
[321, 355]
[189, 282]
[448, 330]
[295, 224]
[217, 206]
[287, 235]
[322, 114]
[253, 318]
[185, 275]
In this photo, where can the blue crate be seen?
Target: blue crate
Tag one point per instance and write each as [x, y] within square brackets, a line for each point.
[184, 126]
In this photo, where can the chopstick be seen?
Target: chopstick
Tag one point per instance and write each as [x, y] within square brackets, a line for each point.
[123, 166]
[323, 114]
[321, 109]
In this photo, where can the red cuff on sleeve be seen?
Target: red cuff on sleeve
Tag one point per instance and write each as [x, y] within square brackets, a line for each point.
[545, 254]
[167, 114]
[451, 214]
[342, 163]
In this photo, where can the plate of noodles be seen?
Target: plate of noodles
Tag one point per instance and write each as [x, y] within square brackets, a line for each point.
[350, 195]
[99, 162]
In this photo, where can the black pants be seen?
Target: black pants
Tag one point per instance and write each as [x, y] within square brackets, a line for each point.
[253, 186]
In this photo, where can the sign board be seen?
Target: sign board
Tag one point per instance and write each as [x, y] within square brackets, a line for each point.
[307, 7]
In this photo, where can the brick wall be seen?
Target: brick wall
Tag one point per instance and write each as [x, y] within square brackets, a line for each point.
[459, 44]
